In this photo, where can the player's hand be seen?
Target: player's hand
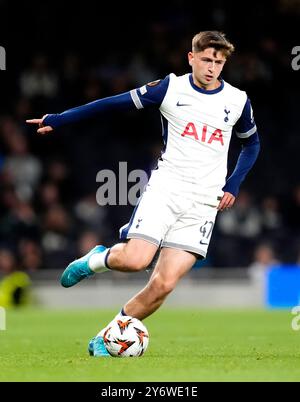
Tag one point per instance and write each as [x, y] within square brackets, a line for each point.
[226, 202]
[42, 129]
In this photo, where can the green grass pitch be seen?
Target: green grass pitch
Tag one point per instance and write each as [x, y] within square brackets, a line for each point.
[185, 345]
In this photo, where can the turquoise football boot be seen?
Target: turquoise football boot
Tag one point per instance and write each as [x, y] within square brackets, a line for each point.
[79, 269]
[97, 348]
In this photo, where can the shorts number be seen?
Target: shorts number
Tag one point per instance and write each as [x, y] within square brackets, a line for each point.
[206, 230]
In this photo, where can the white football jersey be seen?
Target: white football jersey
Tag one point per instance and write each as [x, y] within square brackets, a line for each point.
[197, 126]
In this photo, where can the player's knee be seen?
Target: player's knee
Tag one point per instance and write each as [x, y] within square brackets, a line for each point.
[162, 287]
[136, 259]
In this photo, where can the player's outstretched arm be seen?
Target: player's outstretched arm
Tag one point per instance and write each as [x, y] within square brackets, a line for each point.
[51, 122]
[42, 129]
[151, 94]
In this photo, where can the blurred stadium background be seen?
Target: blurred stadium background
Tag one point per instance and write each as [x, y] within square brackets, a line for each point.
[60, 55]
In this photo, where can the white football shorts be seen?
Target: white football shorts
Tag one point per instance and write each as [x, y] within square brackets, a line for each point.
[171, 214]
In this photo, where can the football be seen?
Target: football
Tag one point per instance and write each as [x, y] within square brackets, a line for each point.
[126, 337]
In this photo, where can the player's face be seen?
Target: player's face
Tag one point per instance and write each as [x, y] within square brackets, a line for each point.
[207, 66]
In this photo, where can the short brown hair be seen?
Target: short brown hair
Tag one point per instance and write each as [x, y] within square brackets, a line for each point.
[215, 39]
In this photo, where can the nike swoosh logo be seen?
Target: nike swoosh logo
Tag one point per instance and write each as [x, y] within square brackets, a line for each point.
[182, 104]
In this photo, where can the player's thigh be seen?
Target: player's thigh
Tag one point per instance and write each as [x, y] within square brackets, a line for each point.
[140, 251]
[172, 265]
[193, 230]
[155, 212]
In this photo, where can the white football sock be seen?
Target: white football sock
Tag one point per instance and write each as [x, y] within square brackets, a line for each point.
[97, 261]
[117, 317]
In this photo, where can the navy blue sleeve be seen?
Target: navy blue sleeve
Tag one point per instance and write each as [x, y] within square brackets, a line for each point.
[245, 126]
[151, 94]
[118, 102]
[247, 158]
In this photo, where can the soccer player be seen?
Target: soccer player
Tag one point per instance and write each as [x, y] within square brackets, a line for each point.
[178, 208]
